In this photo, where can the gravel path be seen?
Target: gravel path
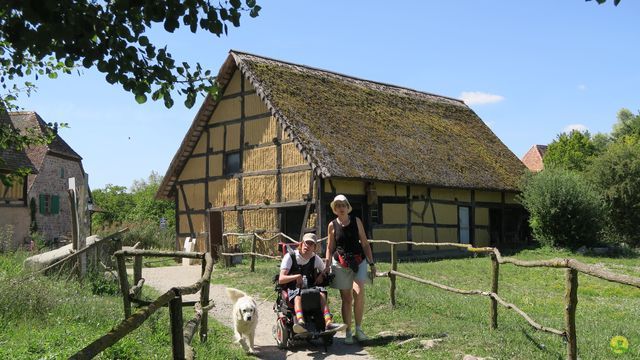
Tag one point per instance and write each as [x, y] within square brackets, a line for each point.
[164, 278]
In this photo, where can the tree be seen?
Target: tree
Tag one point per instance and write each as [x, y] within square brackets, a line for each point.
[615, 2]
[617, 176]
[48, 37]
[564, 208]
[628, 125]
[114, 203]
[571, 151]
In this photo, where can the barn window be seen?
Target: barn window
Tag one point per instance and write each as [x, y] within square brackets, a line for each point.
[231, 163]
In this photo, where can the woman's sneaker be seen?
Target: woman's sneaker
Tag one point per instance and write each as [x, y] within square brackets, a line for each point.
[361, 336]
[348, 338]
[299, 328]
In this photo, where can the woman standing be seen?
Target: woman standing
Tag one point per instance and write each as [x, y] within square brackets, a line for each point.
[349, 253]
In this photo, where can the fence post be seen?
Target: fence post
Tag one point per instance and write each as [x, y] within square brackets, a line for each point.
[137, 268]
[392, 277]
[124, 285]
[571, 302]
[175, 319]
[225, 249]
[204, 301]
[495, 274]
[253, 250]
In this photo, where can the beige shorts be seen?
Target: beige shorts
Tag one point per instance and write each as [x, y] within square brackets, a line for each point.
[344, 277]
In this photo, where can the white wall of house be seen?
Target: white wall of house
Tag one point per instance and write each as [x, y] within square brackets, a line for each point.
[14, 227]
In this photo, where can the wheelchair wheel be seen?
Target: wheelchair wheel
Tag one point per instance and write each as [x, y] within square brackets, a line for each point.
[281, 333]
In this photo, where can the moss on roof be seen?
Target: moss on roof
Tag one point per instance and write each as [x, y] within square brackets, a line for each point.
[355, 128]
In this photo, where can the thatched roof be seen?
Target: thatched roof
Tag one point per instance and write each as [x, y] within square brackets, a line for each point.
[352, 128]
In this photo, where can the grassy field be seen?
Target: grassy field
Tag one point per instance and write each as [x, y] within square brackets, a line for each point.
[462, 322]
[44, 318]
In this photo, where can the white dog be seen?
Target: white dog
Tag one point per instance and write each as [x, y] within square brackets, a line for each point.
[245, 318]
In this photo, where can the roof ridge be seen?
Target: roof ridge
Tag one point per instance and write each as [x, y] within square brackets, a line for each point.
[345, 75]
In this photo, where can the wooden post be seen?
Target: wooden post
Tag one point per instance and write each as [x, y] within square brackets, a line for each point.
[392, 278]
[225, 249]
[571, 302]
[124, 285]
[204, 301]
[253, 250]
[75, 243]
[495, 274]
[137, 268]
[175, 318]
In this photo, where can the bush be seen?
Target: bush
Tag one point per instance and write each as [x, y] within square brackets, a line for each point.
[564, 209]
[616, 175]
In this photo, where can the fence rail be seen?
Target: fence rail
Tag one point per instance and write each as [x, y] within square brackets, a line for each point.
[181, 336]
[572, 268]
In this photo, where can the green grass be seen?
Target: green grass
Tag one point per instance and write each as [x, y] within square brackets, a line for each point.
[46, 318]
[604, 309]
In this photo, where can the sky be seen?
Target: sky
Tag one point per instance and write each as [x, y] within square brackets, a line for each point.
[529, 69]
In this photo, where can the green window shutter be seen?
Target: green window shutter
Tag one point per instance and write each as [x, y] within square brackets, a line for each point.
[41, 199]
[55, 204]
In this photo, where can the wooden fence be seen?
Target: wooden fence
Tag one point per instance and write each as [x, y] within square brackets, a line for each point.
[93, 257]
[572, 268]
[181, 336]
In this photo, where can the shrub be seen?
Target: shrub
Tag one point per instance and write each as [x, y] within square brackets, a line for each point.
[564, 209]
[616, 175]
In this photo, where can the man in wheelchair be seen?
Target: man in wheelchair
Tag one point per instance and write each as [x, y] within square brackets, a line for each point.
[302, 275]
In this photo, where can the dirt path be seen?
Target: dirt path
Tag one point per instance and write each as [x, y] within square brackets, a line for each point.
[164, 278]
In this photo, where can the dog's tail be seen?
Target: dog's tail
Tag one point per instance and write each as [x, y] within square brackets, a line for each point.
[235, 294]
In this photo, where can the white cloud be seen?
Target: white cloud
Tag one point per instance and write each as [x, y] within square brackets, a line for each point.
[578, 127]
[582, 87]
[479, 98]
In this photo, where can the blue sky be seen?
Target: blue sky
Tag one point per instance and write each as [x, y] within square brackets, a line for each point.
[529, 69]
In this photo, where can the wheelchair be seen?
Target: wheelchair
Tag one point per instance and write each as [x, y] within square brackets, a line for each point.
[313, 317]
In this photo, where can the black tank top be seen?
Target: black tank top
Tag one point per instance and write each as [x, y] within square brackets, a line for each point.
[347, 239]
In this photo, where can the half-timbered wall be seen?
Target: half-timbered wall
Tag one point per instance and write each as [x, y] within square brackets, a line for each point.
[399, 212]
[271, 170]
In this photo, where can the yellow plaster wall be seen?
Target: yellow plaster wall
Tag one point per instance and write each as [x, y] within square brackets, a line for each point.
[295, 185]
[196, 219]
[233, 137]
[482, 216]
[451, 194]
[446, 214]
[425, 235]
[419, 190]
[14, 192]
[215, 165]
[194, 194]
[247, 85]
[510, 198]
[227, 109]
[260, 131]
[417, 208]
[393, 235]
[217, 138]
[346, 187]
[291, 156]
[387, 189]
[201, 146]
[447, 235]
[263, 158]
[394, 213]
[482, 238]
[223, 192]
[253, 105]
[233, 87]
[194, 168]
[265, 219]
[488, 196]
[257, 189]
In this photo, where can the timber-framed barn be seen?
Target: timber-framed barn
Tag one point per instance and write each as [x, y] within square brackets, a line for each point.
[282, 139]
